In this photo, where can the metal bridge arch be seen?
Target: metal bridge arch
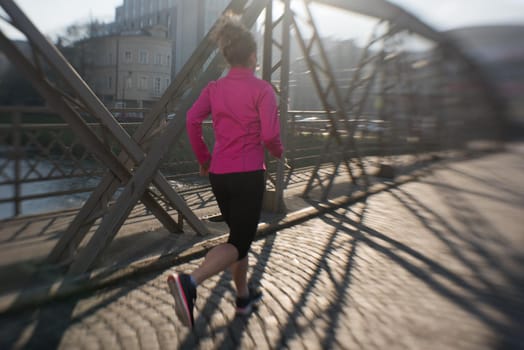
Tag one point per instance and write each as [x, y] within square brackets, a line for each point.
[382, 71]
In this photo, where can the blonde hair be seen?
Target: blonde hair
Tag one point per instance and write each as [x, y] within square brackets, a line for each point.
[236, 42]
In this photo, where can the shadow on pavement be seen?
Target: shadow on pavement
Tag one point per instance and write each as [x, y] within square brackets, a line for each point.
[143, 306]
[236, 328]
[43, 327]
[480, 240]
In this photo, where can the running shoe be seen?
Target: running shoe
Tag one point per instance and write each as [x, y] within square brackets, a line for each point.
[184, 293]
[245, 305]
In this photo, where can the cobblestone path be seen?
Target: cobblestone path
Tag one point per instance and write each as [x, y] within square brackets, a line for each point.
[432, 264]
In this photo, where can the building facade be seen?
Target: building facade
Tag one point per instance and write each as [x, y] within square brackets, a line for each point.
[186, 22]
[131, 70]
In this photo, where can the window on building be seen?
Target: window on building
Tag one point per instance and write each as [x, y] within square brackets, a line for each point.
[158, 58]
[168, 60]
[129, 82]
[143, 57]
[110, 58]
[109, 82]
[142, 83]
[156, 87]
[168, 81]
[128, 58]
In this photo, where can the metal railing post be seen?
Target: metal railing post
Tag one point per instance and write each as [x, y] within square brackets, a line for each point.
[17, 152]
[278, 201]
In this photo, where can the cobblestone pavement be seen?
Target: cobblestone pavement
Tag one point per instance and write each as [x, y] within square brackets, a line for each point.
[433, 264]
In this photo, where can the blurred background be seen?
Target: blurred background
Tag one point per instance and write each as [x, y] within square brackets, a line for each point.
[488, 33]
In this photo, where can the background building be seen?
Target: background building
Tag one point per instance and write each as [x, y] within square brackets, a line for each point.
[128, 70]
[186, 22]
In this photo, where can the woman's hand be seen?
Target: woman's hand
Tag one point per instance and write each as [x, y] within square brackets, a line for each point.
[284, 162]
[204, 169]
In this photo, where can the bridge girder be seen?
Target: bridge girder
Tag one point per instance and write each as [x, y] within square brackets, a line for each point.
[388, 11]
[136, 168]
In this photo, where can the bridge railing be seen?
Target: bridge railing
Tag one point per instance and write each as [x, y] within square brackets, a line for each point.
[44, 168]
[393, 89]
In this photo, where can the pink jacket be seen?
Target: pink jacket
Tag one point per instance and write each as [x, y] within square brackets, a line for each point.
[245, 119]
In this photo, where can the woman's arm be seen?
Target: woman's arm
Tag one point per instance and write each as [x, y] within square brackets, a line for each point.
[269, 121]
[200, 110]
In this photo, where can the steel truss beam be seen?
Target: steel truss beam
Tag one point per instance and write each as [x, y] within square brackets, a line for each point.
[42, 48]
[160, 146]
[387, 11]
[71, 116]
[318, 70]
[402, 20]
[87, 216]
[389, 78]
[146, 170]
[395, 74]
[136, 167]
[278, 71]
[149, 128]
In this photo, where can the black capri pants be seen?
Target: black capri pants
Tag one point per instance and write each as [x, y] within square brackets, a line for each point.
[239, 197]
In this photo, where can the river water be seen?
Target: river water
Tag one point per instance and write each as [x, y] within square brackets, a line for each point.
[29, 170]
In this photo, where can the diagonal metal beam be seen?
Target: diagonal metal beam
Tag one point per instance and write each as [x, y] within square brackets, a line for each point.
[404, 20]
[109, 184]
[282, 90]
[132, 192]
[111, 223]
[278, 203]
[96, 108]
[386, 10]
[75, 121]
[340, 109]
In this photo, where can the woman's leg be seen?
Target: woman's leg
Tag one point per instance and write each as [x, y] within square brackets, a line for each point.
[222, 256]
[217, 260]
[239, 272]
[246, 205]
[240, 200]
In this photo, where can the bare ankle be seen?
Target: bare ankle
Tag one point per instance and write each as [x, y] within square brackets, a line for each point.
[242, 292]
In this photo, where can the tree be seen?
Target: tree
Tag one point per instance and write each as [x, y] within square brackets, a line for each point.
[81, 31]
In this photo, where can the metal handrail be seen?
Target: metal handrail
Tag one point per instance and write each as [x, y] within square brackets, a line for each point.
[301, 156]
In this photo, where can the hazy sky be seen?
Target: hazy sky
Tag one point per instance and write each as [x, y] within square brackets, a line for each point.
[52, 16]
